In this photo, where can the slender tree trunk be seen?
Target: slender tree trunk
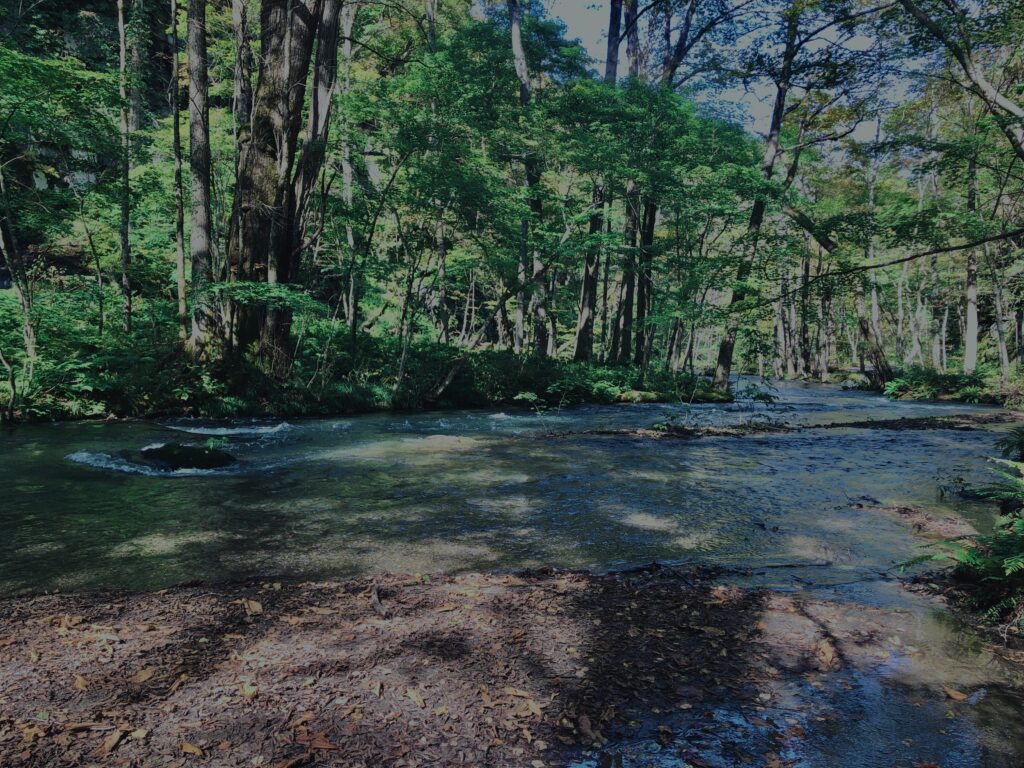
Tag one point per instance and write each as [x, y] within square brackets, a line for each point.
[611, 60]
[739, 292]
[200, 237]
[125, 162]
[604, 308]
[540, 299]
[971, 292]
[645, 285]
[627, 290]
[997, 292]
[314, 149]
[241, 109]
[136, 47]
[584, 346]
[179, 203]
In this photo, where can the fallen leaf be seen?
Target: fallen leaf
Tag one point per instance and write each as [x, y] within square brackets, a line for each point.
[109, 744]
[139, 733]
[415, 697]
[81, 683]
[142, 675]
[30, 733]
[252, 607]
[191, 749]
[319, 741]
[295, 761]
[954, 694]
[177, 683]
[447, 607]
[249, 690]
[302, 719]
[84, 726]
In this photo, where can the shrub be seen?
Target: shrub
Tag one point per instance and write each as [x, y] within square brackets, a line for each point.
[921, 383]
[992, 566]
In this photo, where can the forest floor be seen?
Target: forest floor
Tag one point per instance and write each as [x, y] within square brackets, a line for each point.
[531, 669]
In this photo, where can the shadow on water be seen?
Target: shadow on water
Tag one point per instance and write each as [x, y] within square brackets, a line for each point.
[464, 491]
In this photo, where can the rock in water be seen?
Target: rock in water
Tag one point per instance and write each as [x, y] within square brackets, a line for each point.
[172, 456]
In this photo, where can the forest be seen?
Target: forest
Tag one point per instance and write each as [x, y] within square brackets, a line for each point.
[325, 206]
[512, 383]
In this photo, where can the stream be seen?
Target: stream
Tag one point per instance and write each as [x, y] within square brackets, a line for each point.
[798, 512]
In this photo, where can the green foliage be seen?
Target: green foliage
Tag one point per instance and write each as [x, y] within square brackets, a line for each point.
[1011, 444]
[992, 566]
[920, 383]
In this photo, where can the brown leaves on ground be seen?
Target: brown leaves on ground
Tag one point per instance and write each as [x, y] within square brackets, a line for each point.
[954, 694]
[467, 670]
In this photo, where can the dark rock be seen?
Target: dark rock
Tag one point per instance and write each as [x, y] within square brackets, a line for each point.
[172, 456]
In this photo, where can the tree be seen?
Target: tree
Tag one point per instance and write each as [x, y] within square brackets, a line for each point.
[200, 237]
[125, 163]
[179, 202]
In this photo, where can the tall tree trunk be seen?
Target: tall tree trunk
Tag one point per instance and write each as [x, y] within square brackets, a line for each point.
[645, 285]
[314, 149]
[611, 59]
[997, 292]
[739, 292]
[179, 202]
[125, 163]
[584, 346]
[136, 40]
[539, 300]
[627, 289]
[971, 289]
[265, 185]
[241, 110]
[200, 238]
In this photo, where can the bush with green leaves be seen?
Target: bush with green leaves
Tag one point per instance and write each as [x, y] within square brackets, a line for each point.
[921, 383]
[992, 566]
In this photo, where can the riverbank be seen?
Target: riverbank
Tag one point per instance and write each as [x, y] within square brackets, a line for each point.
[165, 383]
[540, 668]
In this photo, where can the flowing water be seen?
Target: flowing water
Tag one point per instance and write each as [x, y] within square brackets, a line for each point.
[329, 498]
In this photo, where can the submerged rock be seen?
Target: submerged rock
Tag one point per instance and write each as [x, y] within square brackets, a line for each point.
[856, 381]
[173, 456]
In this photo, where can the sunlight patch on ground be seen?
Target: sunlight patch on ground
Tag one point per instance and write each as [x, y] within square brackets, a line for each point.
[165, 543]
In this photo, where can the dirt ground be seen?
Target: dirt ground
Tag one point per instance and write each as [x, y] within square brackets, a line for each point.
[533, 669]
[466, 670]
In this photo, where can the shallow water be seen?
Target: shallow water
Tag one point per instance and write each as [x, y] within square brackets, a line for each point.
[481, 490]
[472, 490]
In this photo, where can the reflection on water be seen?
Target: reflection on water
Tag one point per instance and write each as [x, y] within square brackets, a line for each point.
[472, 490]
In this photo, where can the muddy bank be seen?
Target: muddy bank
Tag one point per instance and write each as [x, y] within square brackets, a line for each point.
[924, 523]
[537, 669]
